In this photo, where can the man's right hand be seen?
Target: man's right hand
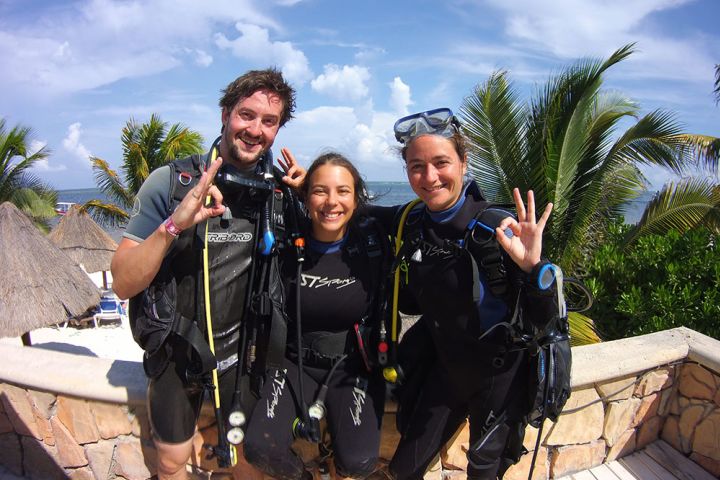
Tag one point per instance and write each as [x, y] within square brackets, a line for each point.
[195, 208]
[135, 264]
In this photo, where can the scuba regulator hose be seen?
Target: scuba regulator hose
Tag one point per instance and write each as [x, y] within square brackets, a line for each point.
[307, 425]
[393, 372]
[224, 451]
[304, 427]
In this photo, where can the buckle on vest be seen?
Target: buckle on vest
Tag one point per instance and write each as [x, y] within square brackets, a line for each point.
[184, 178]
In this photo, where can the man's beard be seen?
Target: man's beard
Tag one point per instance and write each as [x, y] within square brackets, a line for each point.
[237, 158]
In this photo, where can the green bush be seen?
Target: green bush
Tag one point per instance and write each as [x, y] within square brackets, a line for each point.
[660, 282]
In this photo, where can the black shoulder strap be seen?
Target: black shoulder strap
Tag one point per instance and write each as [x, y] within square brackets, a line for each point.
[185, 174]
[374, 244]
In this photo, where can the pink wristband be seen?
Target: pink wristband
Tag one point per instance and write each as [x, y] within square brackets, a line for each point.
[171, 228]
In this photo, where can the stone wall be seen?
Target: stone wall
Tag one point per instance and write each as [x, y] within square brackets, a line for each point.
[692, 423]
[49, 436]
[67, 416]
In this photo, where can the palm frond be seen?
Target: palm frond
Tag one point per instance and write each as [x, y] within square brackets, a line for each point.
[109, 182]
[17, 185]
[717, 83]
[106, 214]
[582, 330]
[704, 150]
[179, 142]
[493, 121]
[678, 206]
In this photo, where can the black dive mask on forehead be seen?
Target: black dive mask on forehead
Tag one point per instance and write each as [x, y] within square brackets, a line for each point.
[233, 183]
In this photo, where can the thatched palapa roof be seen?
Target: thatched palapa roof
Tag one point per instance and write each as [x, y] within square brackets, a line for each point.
[84, 241]
[39, 284]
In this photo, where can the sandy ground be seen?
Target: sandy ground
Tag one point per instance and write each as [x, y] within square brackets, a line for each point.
[111, 339]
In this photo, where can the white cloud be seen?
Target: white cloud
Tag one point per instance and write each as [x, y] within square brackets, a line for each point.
[570, 29]
[45, 167]
[74, 47]
[254, 44]
[400, 96]
[42, 165]
[72, 143]
[342, 84]
[367, 54]
[201, 57]
[367, 143]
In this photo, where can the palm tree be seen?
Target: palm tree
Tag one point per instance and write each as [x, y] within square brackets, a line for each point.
[567, 147]
[17, 184]
[145, 147]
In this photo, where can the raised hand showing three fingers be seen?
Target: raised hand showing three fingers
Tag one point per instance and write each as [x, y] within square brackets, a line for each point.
[525, 245]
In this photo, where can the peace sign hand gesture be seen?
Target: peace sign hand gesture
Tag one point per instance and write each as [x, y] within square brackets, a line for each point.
[194, 209]
[294, 173]
[525, 245]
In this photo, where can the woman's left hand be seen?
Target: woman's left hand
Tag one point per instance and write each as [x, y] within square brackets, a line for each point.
[525, 246]
[294, 173]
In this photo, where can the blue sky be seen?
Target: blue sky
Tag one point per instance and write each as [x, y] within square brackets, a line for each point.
[75, 72]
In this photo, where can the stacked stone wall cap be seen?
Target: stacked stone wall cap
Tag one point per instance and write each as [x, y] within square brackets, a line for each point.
[581, 421]
[19, 410]
[666, 400]
[70, 454]
[111, 420]
[648, 408]
[75, 414]
[83, 473]
[130, 461]
[671, 432]
[40, 460]
[100, 456]
[649, 431]
[5, 423]
[520, 470]
[574, 458]
[697, 382]
[530, 438]
[44, 402]
[619, 389]
[707, 436]
[618, 418]
[11, 453]
[624, 445]
[689, 419]
[655, 381]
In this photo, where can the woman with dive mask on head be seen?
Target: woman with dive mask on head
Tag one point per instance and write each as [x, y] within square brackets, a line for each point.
[467, 267]
[332, 283]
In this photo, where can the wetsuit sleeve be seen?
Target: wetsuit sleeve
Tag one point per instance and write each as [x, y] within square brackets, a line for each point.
[151, 205]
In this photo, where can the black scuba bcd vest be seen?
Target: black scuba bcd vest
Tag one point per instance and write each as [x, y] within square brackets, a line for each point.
[174, 302]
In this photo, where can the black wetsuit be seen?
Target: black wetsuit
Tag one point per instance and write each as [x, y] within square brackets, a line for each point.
[174, 402]
[483, 378]
[335, 293]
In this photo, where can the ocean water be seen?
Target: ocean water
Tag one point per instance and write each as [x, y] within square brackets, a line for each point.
[383, 193]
